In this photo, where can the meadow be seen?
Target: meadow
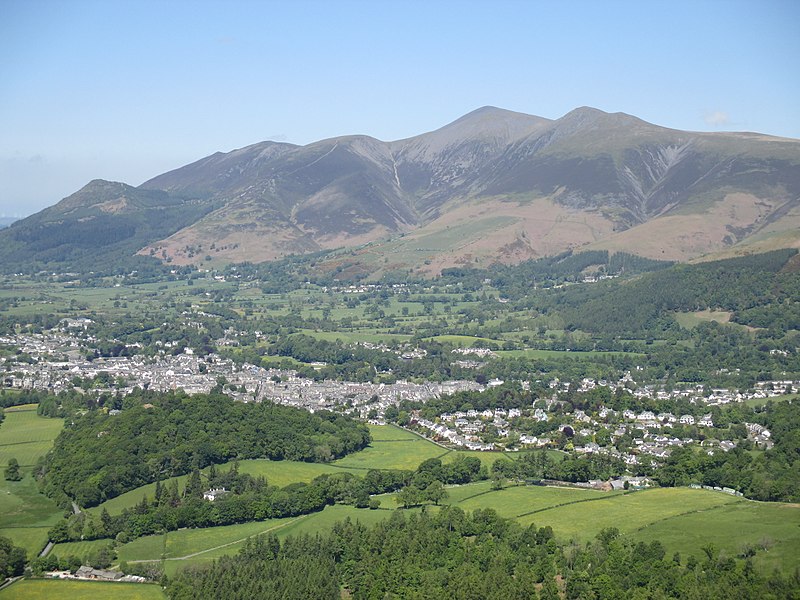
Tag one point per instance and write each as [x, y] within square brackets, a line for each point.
[25, 514]
[684, 520]
[392, 448]
[43, 589]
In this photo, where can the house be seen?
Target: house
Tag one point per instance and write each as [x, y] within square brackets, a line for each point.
[686, 420]
[86, 572]
[706, 421]
[213, 494]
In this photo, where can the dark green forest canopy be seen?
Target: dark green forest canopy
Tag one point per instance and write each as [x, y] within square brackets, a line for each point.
[453, 554]
[753, 287]
[99, 456]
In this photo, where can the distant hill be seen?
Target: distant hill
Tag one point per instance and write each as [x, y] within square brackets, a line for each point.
[494, 185]
[6, 221]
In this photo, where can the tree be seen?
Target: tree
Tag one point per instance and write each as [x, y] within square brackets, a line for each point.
[12, 470]
[12, 559]
[409, 496]
[435, 492]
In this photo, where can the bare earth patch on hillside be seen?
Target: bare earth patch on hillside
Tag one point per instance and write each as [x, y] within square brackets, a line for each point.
[682, 237]
[495, 230]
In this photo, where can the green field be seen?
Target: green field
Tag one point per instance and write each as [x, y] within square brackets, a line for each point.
[628, 513]
[514, 502]
[82, 550]
[690, 320]
[26, 436]
[116, 505]
[41, 589]
[25, 514]
[684, 520]
[465, 341]
[392, 448]
[178, 549]
[729, 527]
[763, 401]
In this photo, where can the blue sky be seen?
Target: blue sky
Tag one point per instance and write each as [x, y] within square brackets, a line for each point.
[128, 90]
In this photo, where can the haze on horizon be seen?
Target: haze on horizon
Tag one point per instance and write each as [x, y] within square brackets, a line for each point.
[127, 91]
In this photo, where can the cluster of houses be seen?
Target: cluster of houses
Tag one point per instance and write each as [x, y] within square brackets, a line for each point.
[694, 393]
[501, 429]
[57, 362]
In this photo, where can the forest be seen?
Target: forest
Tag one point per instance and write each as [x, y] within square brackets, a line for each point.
[101, 455]
[453, 554]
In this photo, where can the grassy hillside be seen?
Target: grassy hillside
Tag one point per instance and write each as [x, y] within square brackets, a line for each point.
[25, 514]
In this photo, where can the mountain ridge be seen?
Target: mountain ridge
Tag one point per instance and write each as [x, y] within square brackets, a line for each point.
[518, 186]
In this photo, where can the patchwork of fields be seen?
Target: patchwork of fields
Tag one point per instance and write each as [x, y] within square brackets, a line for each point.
[684, 520]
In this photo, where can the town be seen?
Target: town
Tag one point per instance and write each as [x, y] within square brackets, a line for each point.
[56, 361]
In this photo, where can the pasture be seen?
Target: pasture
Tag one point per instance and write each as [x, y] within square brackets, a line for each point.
[49, 589]
[26, 436]
[628, 512]
[185, 547]
[25, 514]
[773, 529]
[392, 448]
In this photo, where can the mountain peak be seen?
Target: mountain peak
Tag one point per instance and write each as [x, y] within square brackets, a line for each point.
[492, 185]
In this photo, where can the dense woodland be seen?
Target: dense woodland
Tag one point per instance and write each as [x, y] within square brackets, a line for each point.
[99, 455]
[452, 554]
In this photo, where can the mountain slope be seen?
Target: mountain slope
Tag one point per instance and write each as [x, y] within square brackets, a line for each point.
[492, 185]
[99, 227]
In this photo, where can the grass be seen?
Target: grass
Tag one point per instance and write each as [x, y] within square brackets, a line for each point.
[403, 451]
[26, 436]
[25, 514]
[465, 341]
[384, 450]
[42, 589]
[763, 401]
[513, 502]
[82, 550]
[280, 473]
[116, 505]
[544, 354]
[486, 458]
[629, 513]
[284, 472]
[690, 320]
[178, 549]
[729, 527]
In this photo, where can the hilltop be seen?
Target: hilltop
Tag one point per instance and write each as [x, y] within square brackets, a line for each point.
[492, 186]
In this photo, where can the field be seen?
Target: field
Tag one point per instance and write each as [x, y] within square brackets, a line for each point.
[544, 354]
[178, 549]
[40, 589]
[690, 320]
[729, 527]
[392, 448]
[763, 401]
[25, 514]
[684, 520]
[26, 436]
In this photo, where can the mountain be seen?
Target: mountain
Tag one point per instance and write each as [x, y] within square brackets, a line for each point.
[99, 227]
[493, 185]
